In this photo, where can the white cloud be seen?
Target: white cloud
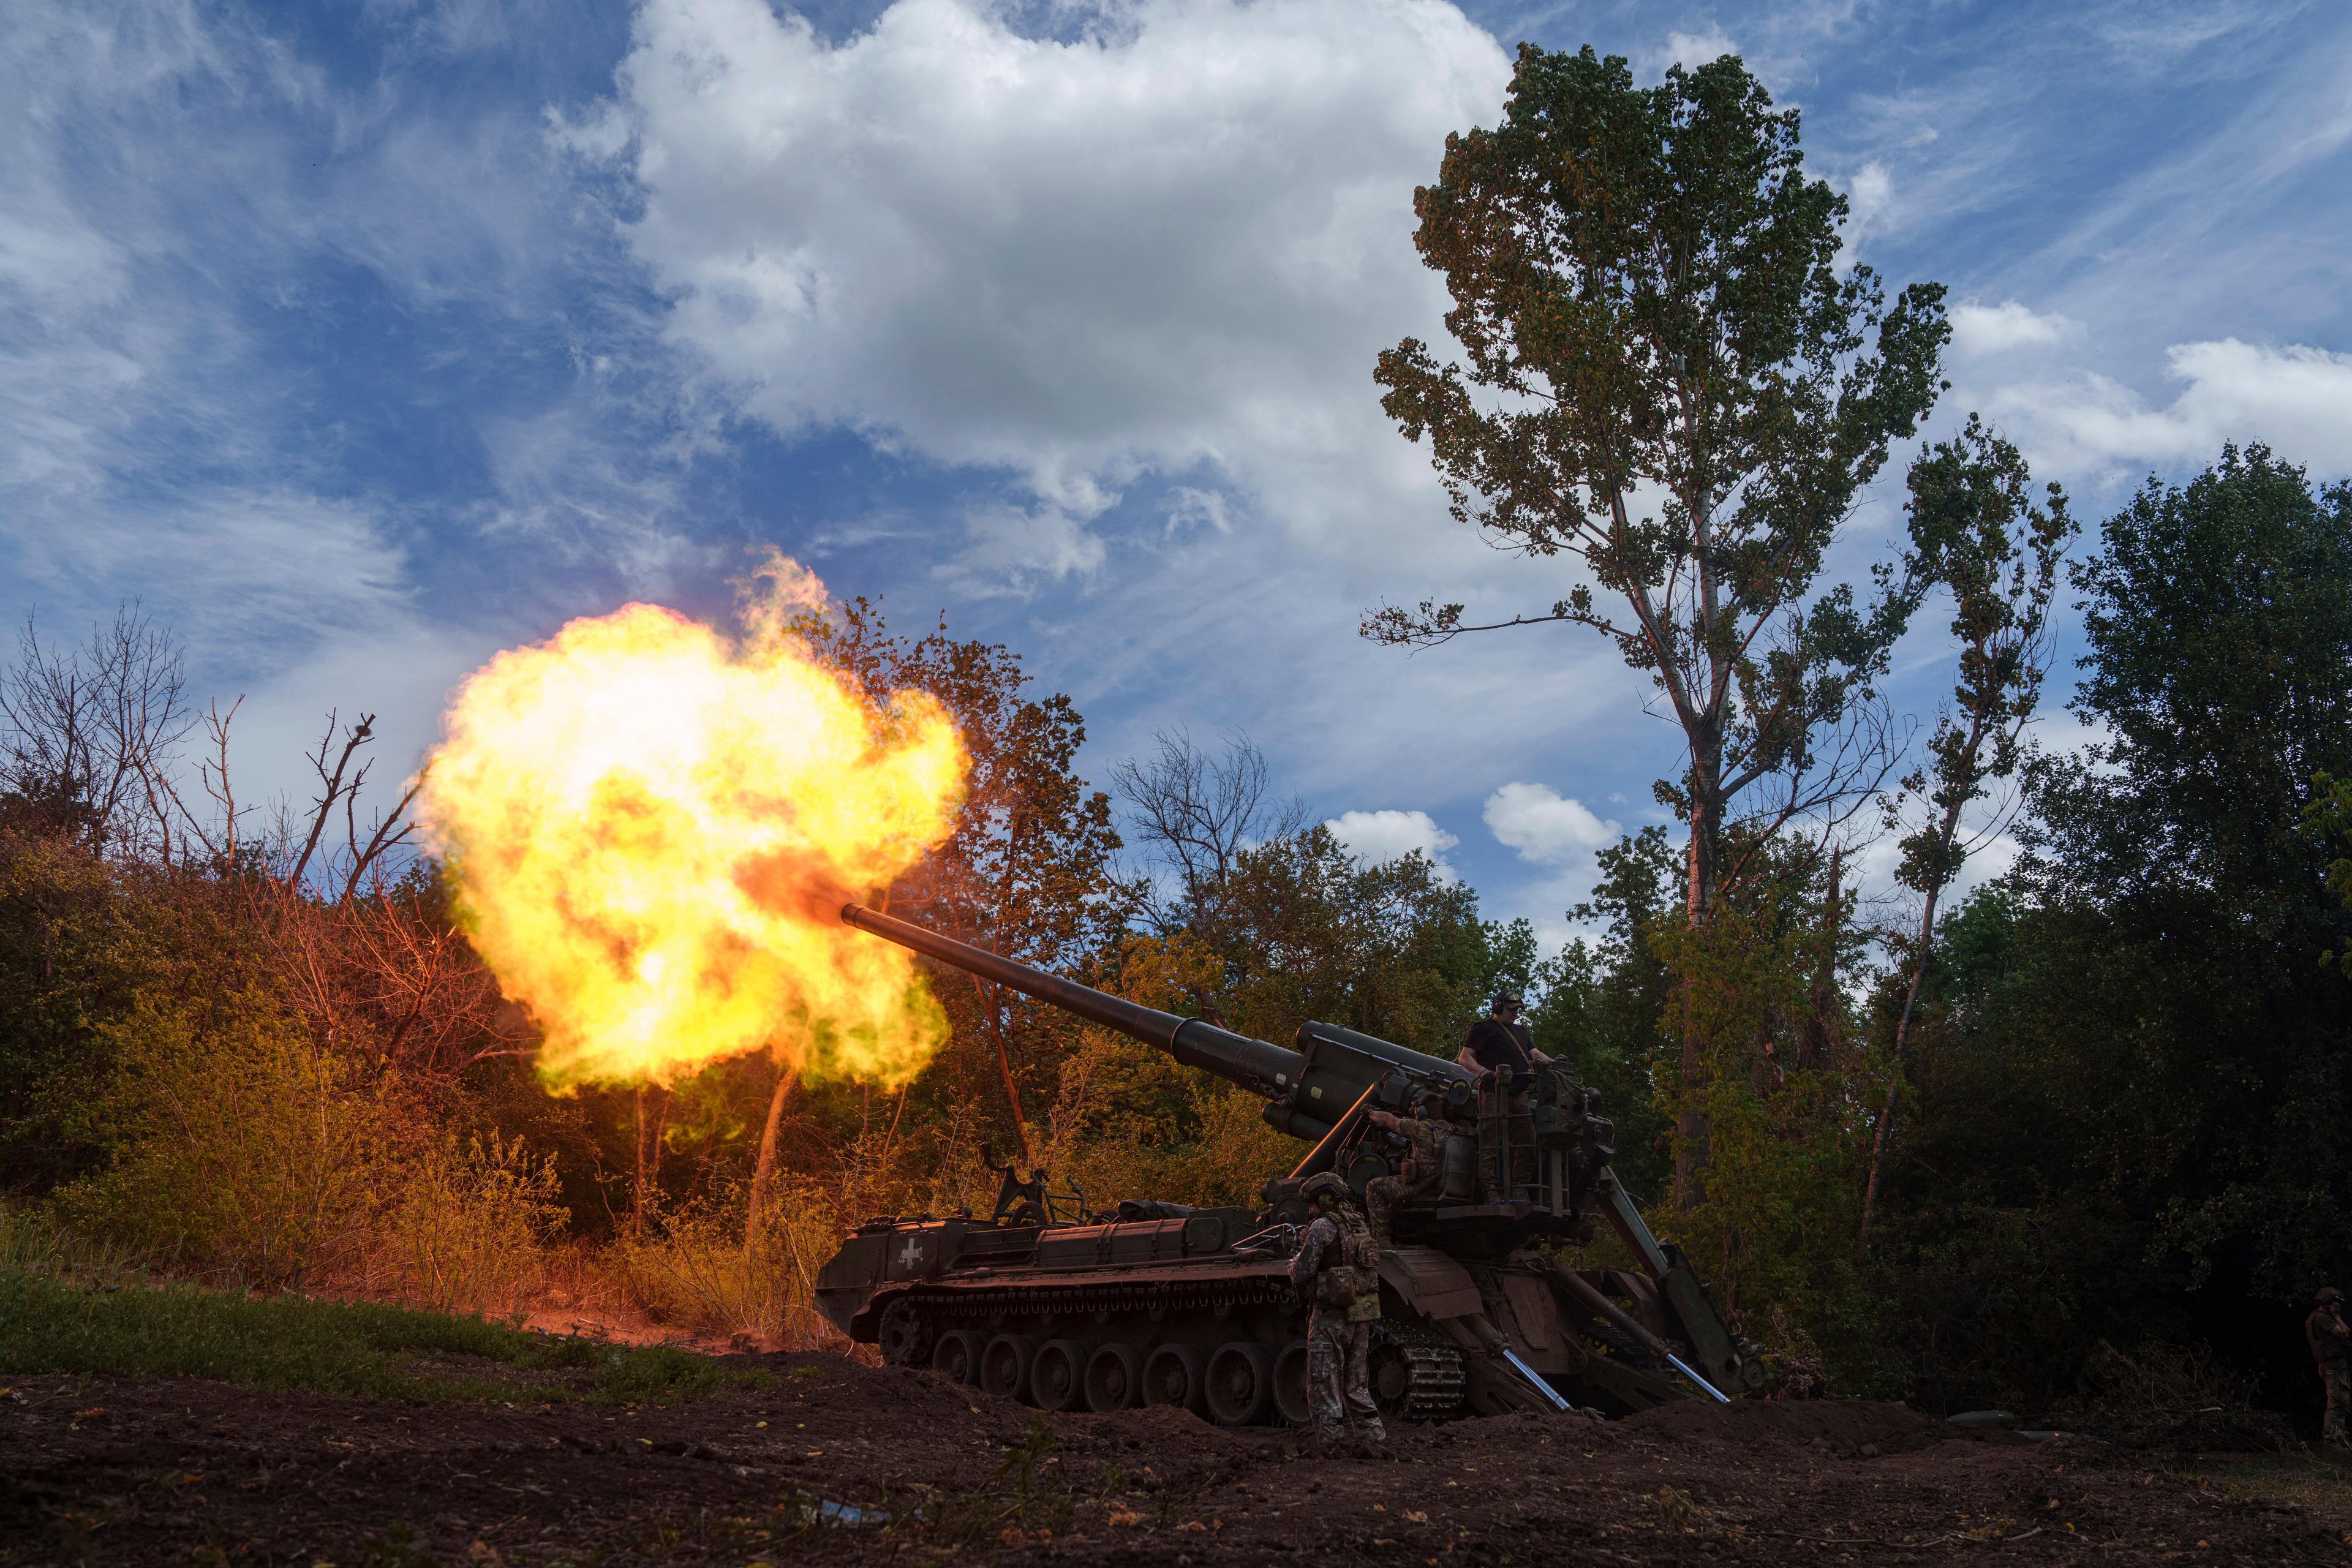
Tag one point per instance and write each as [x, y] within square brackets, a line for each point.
[2296, 399]
[1562, 835]
[1380, 836]
[1189, 507]
[1546, 828]
[1689, 50]
[1870, 209]
[1980, 330]
[1170, 246]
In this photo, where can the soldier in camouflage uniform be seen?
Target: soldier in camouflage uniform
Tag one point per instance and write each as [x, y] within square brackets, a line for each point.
[1336, 1267]
[1424, 1162]
[2330, 1338]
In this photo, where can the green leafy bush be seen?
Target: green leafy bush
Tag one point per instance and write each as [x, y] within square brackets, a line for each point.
[241, 1151]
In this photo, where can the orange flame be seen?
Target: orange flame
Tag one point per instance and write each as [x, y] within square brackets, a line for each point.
[652, 829]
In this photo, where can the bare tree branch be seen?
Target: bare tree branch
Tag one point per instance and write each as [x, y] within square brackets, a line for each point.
[353, 739]
[1198, 812]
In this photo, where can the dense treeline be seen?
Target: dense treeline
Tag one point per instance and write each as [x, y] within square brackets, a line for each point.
[2133, 1102]
[2119, 1110]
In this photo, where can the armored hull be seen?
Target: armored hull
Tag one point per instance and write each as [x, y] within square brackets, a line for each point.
[1104, 1317]
[1165, 1311]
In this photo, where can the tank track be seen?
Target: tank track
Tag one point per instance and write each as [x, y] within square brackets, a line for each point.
[948, 1307]
[1435, 1384]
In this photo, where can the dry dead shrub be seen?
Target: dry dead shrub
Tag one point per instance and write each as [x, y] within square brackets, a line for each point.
[466, 1230]
[1799, 1371]
[2160, 1382]
[2174, 1396]
[697, 1272]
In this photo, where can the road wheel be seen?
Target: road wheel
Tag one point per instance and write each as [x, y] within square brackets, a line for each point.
[1290, 1385]
[1005, 1365]
[958, 1354]
[1171, 1375]
[1057, 1376]
[1239, 1388]
[905, 1334]
[1113, 1378]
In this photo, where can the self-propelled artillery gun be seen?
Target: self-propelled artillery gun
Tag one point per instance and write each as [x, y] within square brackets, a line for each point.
[1484, 1311]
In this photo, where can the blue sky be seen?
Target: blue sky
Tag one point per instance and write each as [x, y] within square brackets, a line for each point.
[362, 341]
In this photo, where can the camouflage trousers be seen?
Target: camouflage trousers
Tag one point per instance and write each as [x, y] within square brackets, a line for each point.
[1382, 1196]
[2337, 1376]
[1338, 1378]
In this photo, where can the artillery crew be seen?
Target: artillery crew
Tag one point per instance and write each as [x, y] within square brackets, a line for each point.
[1426, 1137]
[1337, 1269]
[1499, 1049]
[1499, 1039]
[2330, 1338]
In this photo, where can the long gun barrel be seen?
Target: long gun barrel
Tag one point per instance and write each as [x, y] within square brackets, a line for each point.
[1311, 1087]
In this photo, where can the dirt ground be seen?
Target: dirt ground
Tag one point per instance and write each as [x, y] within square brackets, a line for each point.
[176, 1472]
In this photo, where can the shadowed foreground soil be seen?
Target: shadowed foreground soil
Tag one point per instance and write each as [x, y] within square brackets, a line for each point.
[173, 1471]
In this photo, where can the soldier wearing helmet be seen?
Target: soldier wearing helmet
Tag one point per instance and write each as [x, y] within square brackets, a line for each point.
[1337, 1269]
[2330, 1338]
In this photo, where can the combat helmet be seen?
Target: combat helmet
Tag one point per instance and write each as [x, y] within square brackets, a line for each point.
[1329, 1185]
[2329, 1295]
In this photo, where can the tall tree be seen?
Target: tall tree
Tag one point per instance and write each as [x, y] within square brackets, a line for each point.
[1395, 949]
[1648, 292]
[1977, 532]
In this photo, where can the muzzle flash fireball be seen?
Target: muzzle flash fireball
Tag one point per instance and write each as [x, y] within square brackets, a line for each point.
[651, 828]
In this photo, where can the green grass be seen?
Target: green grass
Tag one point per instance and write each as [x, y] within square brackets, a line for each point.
[53, 1326]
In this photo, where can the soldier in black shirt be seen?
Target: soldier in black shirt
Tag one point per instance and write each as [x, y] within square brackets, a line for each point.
[1499, 1039]
[1499, 1043]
